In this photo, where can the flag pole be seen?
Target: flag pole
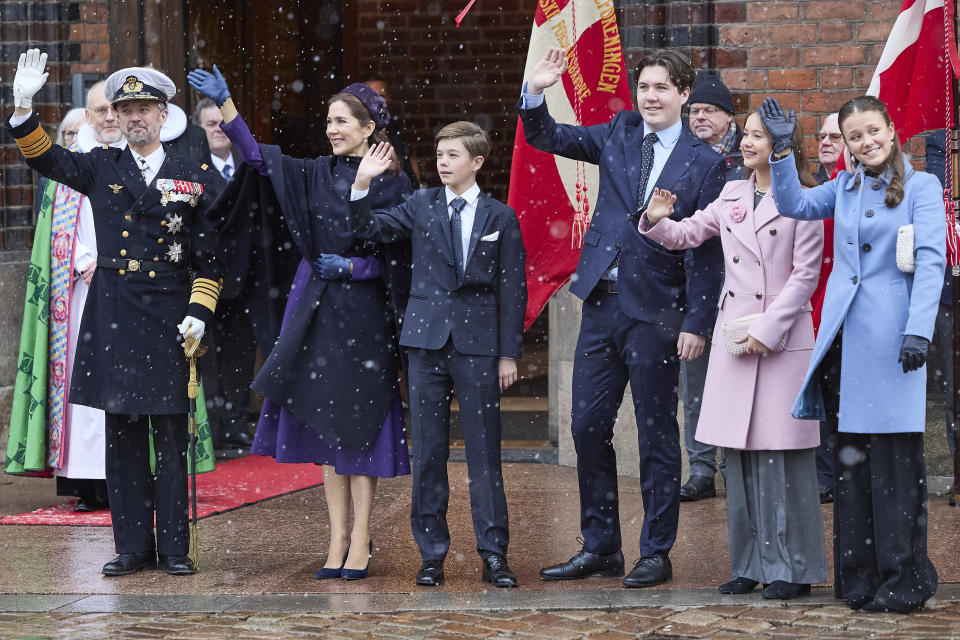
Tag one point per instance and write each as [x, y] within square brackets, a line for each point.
[953, 152]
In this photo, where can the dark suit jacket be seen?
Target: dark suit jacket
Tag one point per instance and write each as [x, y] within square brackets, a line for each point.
[937, 165]
[484, 315]
[654, 282]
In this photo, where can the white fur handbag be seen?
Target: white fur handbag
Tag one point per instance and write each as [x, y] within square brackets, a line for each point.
[736, 329]
[906, 261]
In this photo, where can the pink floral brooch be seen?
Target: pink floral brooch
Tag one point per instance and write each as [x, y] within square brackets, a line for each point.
[738, 212]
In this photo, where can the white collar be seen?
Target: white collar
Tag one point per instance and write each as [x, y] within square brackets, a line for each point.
[154, 160]
[219, 163]
[666, 137]
[470, 195]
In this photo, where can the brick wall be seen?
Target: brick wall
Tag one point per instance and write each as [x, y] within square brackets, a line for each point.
[440, 73]
[70, 32]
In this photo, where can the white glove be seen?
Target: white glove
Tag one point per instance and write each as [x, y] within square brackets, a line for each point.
[192, 327]
[30, 78]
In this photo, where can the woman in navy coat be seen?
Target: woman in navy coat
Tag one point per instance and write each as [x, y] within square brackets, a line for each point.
[868, 361]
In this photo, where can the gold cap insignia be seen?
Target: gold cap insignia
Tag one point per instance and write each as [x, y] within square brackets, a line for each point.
[132, 85]
[116, 188]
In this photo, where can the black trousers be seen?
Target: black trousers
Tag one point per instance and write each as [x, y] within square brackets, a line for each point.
[879, 510]
[613, 350]
[136, 493]
[434, 373]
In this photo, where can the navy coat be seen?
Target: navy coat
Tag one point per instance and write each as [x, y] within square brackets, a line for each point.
[129, 358]
[673, 288]
[484, 315]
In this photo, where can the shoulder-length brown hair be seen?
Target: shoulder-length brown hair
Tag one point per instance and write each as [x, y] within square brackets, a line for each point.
[799, 155]
[894, 193]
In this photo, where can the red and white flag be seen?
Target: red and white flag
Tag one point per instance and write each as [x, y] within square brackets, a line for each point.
[910, 77]
[554, 196]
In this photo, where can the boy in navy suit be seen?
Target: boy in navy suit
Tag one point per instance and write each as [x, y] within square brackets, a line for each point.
[462, 328]
[644, 308]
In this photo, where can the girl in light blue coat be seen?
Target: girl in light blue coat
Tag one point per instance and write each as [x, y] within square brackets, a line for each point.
[868, 362]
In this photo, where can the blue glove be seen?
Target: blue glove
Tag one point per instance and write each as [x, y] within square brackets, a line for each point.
[332, 267]
[913, 352]
[779, 125]
[209, 84]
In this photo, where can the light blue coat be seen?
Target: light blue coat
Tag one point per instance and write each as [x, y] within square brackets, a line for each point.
[874, 302]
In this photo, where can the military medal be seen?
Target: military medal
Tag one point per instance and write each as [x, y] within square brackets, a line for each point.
[174, 224]
[179, 191]
[175, 252]
[116, 188]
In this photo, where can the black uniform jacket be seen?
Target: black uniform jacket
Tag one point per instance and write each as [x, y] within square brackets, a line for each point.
[129, 358]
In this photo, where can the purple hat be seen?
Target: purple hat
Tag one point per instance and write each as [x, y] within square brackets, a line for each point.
[373, 101]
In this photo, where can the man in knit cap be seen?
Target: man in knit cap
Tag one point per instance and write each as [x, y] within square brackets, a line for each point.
[711, 120]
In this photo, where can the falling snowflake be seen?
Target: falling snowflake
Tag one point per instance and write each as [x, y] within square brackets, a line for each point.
[175, 252]
[174, 224]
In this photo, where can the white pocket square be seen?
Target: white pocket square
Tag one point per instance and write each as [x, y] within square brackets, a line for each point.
[491, 237]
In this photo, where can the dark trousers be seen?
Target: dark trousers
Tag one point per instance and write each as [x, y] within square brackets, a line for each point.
[90, 490]
[613, 349]
[879, 511]
[227, 369]
[829, 373]
[136, 493]
[433, 376]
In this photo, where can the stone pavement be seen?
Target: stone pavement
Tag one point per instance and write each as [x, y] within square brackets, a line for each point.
[257, 566]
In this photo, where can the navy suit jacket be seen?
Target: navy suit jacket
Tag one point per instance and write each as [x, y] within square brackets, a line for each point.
[656, 285]
[484, 315]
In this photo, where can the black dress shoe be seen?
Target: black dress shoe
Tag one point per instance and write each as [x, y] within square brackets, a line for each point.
[586, 564]
[874, 607]
[127, 563]
[738, 586]
[648, 572]
[177, 565]
[826, 494]
[430, 573]
[783, 590]
[697, 488]
[497, 573]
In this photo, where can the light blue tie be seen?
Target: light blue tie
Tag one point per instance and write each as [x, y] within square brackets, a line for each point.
[227, 172]
[456, 236]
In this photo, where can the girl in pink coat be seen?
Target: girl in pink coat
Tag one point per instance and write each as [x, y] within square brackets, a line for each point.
[771, 268]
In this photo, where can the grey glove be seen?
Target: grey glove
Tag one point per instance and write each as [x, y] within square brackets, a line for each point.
[913, 352]
[780, 125]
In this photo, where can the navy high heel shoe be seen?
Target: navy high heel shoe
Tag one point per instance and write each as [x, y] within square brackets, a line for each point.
[325, 573]
[357, 574]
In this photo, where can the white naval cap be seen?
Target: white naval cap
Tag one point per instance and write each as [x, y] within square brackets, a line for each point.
[139, 83]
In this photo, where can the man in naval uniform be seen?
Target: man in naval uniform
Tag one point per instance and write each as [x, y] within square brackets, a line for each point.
[156, 282]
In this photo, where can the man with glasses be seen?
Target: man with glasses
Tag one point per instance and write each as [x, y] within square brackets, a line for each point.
[830, 148]
[711, 120]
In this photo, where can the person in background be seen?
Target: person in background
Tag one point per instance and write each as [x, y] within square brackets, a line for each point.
[830, 148]
[227, 368]
[67, 131]
[712, 120]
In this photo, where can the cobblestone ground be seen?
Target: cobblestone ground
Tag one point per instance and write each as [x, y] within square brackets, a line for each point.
[938, 620]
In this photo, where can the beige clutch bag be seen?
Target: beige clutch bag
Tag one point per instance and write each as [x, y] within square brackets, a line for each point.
[737, 329]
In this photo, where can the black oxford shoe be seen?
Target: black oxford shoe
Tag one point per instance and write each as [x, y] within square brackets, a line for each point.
[697, 488]
[738, 586]
[648, 572]
[497, 573]
[430, 573]
[127, 563]
[783, 590]
[586, 564]
[177, 565]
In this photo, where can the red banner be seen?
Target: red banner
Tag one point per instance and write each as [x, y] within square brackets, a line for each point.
[554, 196]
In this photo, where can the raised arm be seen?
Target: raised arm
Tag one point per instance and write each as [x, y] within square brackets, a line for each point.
[542, 131]
[214, 86]
[382, 226]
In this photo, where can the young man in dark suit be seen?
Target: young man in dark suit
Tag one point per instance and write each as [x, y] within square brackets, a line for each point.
[645, 308]
[462, 328]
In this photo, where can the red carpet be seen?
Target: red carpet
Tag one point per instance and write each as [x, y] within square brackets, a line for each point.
[231, 485]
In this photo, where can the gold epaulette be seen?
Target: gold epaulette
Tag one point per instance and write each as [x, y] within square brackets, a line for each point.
[205, 292]
[36, 143]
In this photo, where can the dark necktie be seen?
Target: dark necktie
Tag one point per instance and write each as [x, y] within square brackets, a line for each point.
[227, 172]
[456, 236]
[646, 166]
